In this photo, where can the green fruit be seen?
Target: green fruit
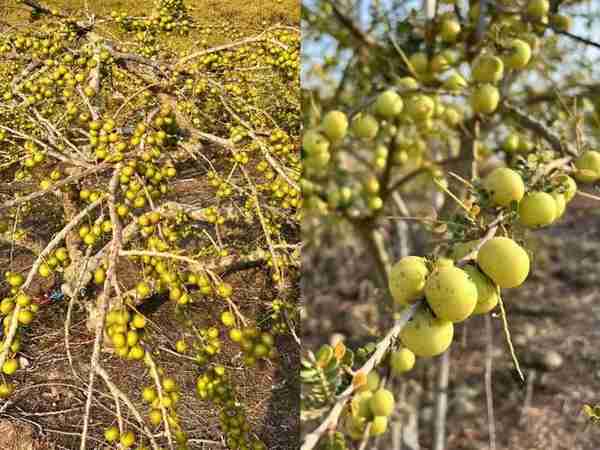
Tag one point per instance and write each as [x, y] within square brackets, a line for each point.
[407, 279]
[567, 186]
[335, 125]
[487, 69]
[504, 261]
[420, 107]
[111, 434]
[99, 276]
[518, 54]
[360, 404]
[511, 144]
[44, 270]
[143, 289]
[419, 62]
[449, 30]
[149, 394]
[407, 84]
[402, 361]
[487, 293]
[10, 366]
[537, 209]
[378, 426]
[561, 22]
[365, 126]
[505, 186]
[382, 403]
[455, 82]
[561, 204]
[426, 335]
[315, 143]
[485, 99]
[155, 416]
[6, 389]
[127, 439]
[227, 318]
[588, 167]
[537, 9]
[15, 280]
[388, 104]
[25, 317]
[138, 321]
[169, 384]
[450, 293]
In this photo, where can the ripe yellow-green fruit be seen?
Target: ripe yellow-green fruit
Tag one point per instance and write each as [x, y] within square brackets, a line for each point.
[537, 209]
[378, 426]
[455, 82]
[227, 318]
[407, 279]
[450, 293]
[169, 384]
[505, 186]
[487, 69]
[138, 321]
[360, 406]
[407, 84]
[365, 126]
[143, 289]
[484, 99]
[335, 125]
[561, 22]
[10, 366]
[15, 280]
[149, 394]
[314, 142]
[487, 293]
[44, 270]
[426, 335]
[127, 439]
[504, 261]
[449, 30]
[111, 434]
[419, 62]
[99, 275]
[561, 204]
[6, 389]
[568, 186]
[518, 54]
[181, 346]
[511, 144]
[388, 104]
[538, 9]
[155, 416]
[382, 403]
[25, 317]
[588, 167]
[420, 107]
[402, 361]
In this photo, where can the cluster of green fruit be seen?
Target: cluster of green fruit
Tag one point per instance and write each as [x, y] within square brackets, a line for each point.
[214, 385]
[454, 293]
[281, 312]
[92, 234]
[25, 315]
[370, 407]
[58, 259]
[126, 440]
[168, 400]
[171, 15]
[254, 344]
[206, 345]
[536, 208]
[35, 157]
[125, 331]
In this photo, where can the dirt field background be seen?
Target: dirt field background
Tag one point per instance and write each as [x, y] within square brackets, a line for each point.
[46, 412]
